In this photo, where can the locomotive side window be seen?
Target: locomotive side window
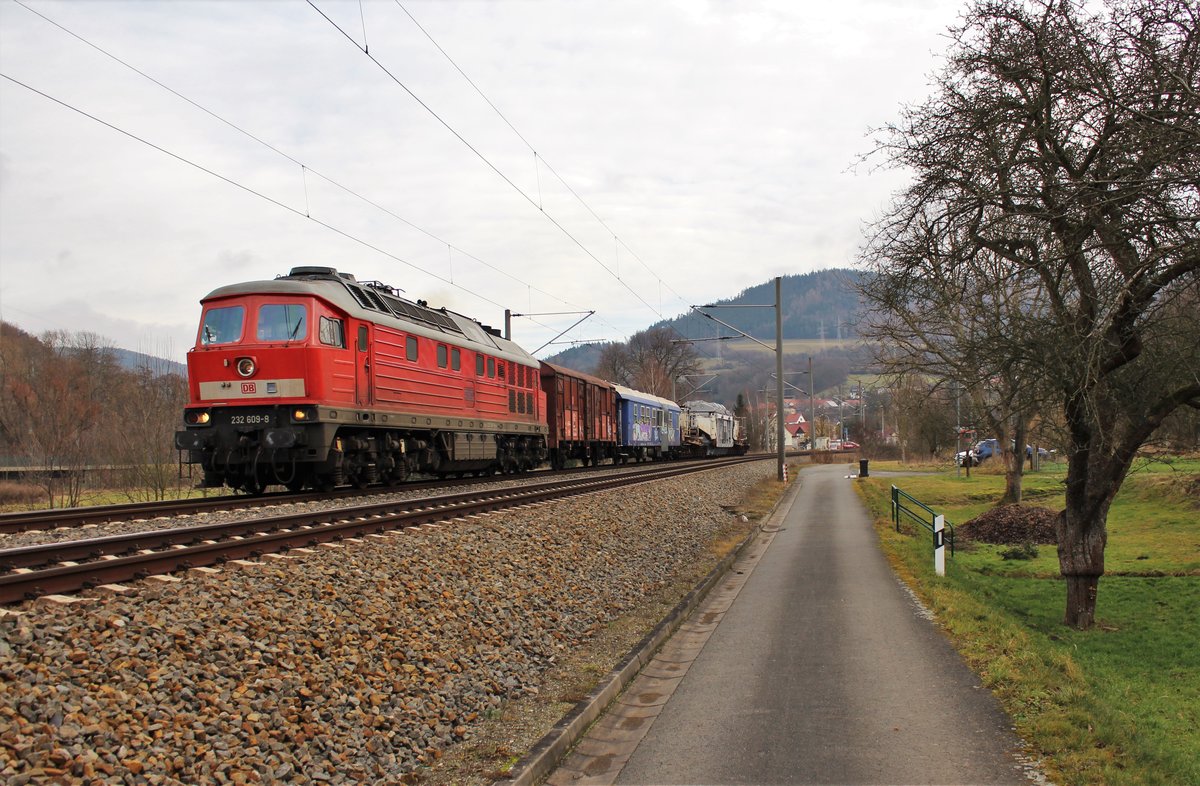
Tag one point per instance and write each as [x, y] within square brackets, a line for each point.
[478, 365]
[441, 355]
[222, 325]
[282, 322]
[410, 348]
[491, 367]
[332, 332]
[362, 338]
[455, 359]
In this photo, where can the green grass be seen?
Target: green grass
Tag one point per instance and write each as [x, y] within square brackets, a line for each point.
[1119, 704]
[792, 346]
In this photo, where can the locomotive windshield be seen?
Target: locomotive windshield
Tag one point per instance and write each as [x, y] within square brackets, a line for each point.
[222, 325]
[282, 322]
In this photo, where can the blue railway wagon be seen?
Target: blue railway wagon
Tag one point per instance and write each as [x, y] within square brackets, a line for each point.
[648, 425]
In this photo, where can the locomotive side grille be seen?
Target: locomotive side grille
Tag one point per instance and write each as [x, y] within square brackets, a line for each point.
[360, 295]
[406, 310]
[384, 303]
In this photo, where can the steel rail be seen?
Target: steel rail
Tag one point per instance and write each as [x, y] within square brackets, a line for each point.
[24, 521]
[111, 560]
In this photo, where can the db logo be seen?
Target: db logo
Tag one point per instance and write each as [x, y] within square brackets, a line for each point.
[249, 388]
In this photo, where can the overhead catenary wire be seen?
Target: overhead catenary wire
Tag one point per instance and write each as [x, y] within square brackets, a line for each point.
[307, 170]
[249, 190]
[536, 156]
[485, 159]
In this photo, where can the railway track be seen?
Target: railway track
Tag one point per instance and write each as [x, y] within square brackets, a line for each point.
[33, 571]
[56, 518]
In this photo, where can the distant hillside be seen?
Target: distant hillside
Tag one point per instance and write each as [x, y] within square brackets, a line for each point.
[821, 307]
[136, 361]
[583, 358]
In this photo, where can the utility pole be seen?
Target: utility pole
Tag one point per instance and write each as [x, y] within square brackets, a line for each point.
[779, 374]
[812, 410]
[778, 357]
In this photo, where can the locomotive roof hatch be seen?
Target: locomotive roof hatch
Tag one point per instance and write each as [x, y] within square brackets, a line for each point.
[316, 271]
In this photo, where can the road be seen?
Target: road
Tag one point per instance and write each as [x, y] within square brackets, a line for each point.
[813, 665]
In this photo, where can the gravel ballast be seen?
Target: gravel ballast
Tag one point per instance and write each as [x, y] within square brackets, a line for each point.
[363, 663]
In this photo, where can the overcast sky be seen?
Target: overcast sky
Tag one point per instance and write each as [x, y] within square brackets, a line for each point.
[715, 142]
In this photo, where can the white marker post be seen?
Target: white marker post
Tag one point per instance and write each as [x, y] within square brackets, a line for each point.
[939, 544]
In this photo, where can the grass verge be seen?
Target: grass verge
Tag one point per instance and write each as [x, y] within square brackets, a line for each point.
[1119, 704]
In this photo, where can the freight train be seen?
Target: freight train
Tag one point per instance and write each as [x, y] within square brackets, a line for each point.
[315, 380]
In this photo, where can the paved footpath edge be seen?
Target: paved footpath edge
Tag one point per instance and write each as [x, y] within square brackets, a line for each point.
[548, 752]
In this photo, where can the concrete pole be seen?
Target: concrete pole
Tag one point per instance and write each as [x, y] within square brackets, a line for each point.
[812, 410]
[508, 324]
[779, 373]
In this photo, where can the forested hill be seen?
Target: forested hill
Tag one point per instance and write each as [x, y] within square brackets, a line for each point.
[815, 305]
[820, 305]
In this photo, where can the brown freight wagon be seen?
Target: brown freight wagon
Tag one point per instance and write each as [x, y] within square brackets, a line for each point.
[582, 414]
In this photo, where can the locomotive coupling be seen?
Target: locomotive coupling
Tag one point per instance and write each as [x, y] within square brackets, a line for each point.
[283, 437]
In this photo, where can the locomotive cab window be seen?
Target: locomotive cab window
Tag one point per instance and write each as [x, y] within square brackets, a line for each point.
[222, 325]
[282, 322]
[332, 332]
[362, 338]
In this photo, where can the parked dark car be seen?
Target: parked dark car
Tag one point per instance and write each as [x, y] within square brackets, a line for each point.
[986, 449]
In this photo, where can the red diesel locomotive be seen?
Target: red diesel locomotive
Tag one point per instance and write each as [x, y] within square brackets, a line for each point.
[315, 379]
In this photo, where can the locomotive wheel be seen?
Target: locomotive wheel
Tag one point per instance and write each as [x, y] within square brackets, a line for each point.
[254, 487]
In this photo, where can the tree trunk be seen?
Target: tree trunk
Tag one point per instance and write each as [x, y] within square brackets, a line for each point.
[1014, 466]
[1081, 601]
[1082, 534]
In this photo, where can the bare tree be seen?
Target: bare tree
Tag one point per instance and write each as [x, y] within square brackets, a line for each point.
[615, 364]
[144, 448]
[650, 362]
[53, 402]
[1060, 156]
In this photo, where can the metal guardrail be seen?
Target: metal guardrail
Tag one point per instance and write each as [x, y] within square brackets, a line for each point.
[907, 506]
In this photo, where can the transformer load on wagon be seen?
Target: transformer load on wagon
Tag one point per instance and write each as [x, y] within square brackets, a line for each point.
[709, 429]
[316, 379]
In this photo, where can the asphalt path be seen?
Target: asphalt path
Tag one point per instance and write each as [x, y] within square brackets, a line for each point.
[825, 670]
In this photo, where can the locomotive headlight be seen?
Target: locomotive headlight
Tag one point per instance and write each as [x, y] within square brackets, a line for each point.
[197, 417]
[246, 367]
[304, 414]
